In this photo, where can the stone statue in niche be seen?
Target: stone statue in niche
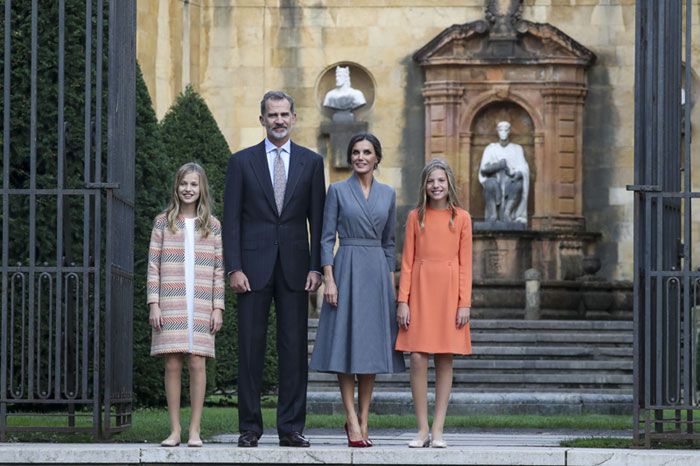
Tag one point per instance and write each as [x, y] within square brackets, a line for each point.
[505, 177]
[343, 97]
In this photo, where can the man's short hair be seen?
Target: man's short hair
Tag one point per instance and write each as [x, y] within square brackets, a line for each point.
[275, 95]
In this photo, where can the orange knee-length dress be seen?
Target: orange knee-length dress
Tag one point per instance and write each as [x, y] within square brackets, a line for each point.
[436, 280]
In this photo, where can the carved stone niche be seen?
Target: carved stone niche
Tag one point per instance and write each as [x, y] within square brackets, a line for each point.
[530, 74]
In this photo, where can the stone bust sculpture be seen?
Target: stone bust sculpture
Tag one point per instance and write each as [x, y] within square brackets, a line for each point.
[343, 97]
[505, 177]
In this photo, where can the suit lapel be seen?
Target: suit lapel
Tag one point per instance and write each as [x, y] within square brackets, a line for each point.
[262, 172]
[296, 166]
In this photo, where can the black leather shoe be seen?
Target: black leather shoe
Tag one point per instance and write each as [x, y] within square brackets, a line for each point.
[248, 439]
[294, 439]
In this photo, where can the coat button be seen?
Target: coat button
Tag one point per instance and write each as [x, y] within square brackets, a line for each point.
[276, 243]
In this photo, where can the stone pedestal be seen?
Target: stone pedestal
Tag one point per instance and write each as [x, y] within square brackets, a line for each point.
[507, 254]
[337, 133]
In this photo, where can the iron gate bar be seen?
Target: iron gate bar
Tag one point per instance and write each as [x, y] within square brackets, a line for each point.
[60, 160]
[32, 195]
[664, 392]
[5, 209]
[54, 310]
[120, 213]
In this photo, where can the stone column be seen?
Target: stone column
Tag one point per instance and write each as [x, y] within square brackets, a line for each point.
[560, 182]
[442, 102]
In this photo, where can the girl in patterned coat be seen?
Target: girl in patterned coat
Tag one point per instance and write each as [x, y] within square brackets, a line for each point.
[185, 293]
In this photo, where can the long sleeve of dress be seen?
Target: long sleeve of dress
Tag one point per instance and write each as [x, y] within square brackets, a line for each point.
[153, 275]
[218, 292]
[330, 226]
[465, 264]
[409, 250]
[389, 234]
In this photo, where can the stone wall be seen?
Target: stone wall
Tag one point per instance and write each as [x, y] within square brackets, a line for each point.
[233, 51]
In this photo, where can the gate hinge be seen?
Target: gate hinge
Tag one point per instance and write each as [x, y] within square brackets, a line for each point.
[644, 188]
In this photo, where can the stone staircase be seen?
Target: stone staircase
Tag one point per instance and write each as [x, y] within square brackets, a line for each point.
[519, 357]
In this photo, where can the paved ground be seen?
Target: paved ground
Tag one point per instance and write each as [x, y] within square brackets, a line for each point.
[324, 438]
[478, 448]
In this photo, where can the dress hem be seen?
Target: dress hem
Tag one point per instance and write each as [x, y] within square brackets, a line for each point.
[196, 353]
[433, 351]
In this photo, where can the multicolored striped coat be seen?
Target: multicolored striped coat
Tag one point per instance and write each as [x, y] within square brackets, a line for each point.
[166, 286]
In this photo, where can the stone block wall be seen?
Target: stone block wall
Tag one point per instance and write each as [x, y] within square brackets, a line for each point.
[232, 51]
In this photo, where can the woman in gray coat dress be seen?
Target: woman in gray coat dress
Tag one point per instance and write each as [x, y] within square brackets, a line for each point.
[357, 328]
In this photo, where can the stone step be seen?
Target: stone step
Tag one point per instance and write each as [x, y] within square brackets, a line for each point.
[583, 379]
[518, 338]
[579, 378]
[539, 352]
[553, 351]
[578, 325]
[489, 400]
[535, 364]
[520, 355]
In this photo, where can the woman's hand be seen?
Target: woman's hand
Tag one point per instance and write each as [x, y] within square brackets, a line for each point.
[403, 315]
[155, 319]
[463, 316]
[330, 292]
[216, 321]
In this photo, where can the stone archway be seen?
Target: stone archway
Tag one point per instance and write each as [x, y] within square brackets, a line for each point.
[536, 67]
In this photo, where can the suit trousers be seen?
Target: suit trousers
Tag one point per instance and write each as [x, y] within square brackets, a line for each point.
[291, 308]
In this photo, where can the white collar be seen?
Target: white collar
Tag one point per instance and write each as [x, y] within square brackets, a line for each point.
[286, 147]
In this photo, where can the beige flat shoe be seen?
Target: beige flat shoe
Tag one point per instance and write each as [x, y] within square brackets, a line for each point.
[194, 443]
[170, 442]
[438, 444]
[419, 442]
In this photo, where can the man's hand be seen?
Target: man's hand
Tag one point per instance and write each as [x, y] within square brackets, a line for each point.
[239, 282]
[313, 281]
[216, 321]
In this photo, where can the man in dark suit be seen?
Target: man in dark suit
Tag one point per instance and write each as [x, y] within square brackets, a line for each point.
[273, 191]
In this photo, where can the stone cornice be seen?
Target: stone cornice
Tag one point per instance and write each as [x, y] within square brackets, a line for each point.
[536, 43]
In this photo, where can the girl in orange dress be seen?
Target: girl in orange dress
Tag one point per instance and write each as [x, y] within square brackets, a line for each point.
[435, 294]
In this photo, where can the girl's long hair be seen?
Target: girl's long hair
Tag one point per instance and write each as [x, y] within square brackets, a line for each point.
[204, 203]
[453, 201]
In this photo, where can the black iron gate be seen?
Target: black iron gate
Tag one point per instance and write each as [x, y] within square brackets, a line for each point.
[67, 217]
[666, 287]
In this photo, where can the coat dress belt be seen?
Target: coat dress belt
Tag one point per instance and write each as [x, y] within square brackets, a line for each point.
[375, 243]
[450, 261]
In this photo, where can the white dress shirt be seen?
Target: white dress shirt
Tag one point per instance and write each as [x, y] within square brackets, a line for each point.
[271, 151]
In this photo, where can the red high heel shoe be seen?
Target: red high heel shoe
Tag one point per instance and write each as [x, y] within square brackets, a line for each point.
[354, 443]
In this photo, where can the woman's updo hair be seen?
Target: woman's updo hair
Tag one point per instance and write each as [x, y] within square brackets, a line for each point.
[365, 137]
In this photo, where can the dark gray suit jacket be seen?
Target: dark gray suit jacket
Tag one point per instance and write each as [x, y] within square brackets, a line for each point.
[253, 232]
